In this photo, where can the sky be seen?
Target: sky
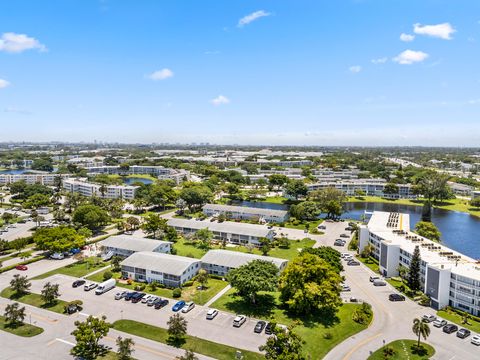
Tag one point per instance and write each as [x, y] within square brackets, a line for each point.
[277, 72]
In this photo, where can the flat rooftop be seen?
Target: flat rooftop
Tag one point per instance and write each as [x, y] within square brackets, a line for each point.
[245, 209]
[225, 227]
[133, 243]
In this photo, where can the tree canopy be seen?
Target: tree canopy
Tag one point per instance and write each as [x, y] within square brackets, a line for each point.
[58, 239]
[428, 230]
[90, 216]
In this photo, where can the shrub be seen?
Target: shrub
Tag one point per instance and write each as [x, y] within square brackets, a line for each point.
[218, 277]
[362, 314]
[129, 281]
[139, 287]
[190, 255]
[328, 335]
[177, 292]
[79, 304]
[314, 231]
[173, 251]
[188, 283]
[107, 275]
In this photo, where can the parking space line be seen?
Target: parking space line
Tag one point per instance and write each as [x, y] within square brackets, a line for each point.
[65, 342]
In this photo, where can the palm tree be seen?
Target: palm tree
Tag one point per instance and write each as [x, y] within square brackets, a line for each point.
[402, 272]
[420, 328]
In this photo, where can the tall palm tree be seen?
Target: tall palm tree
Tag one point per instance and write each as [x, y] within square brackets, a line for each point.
[420, 328]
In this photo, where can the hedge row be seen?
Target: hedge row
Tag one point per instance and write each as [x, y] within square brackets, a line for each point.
[26, 262]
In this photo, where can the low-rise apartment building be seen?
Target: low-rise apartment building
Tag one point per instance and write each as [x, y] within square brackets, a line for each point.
[228, 231]
[160, 172]
[126, 245]
[220, 262]
[36, 178]
[166, 269]
[126, 192]
[447, 276]
[246, 213]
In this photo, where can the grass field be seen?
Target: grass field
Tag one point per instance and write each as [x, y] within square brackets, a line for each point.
[311, 329]
[25, 330]
[371, 263]
[197, 345]
[78, 269]
[190, 250]
[452, 316]
[34, 300]
[403, 349]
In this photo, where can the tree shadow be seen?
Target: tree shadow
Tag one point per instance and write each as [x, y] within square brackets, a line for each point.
[176, 341]
[418, 350]
[262, 308]
[327, 318]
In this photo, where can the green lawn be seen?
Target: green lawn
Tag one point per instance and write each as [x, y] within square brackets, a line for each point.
[452, 316]
[197, 345]
[78, 269]
[25, 330]
[35, 300]
[189, 249]
[371, 263]
[404, 349]
[189, 293]
[302, 225]
[311, 329]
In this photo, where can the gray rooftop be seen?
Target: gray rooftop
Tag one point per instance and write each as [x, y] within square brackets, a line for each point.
[164, 263]
[133, 243]
[244, 209]
[235, 259]
[225, 227]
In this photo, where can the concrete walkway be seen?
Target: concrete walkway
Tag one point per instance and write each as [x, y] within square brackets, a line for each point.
[96, 271]
[218, 295]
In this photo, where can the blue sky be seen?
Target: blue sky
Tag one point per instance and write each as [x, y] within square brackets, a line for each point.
[278, 72]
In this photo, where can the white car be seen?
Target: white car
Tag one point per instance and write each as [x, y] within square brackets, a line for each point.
[239, 320]
[120, 295]
[88, 287]
[188, 306]
[146, 298]
[211, 314]
[57, 256]
[374, 277]
[429, 318]
[475, 340]
[152, 300]
[439, 323]
[345, 287]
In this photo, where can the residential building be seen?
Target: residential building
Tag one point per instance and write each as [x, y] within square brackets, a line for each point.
[34, 178]
[461, 189]
[166, 269]
[126, 245]
[160, 172]
[447, 276]
[228, 231]
[81, 186]
[220, 262]
[246, 213]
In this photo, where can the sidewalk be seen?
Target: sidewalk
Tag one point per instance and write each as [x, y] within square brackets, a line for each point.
[218, 295]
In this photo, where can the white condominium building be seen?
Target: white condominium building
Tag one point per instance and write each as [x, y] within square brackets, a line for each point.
[162, 173]
[246, 213]
[126, 192]
[448, 277]
[45, 179]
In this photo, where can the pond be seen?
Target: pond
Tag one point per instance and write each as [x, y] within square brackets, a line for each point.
[14, 171]
[261, 205]
[460, 231]
[132, 180]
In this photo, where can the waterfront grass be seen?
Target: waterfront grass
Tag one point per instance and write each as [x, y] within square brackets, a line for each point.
[404, 349]
[24, 330]
[192, 343]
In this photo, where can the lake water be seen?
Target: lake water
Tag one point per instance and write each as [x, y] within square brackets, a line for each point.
[460, 231]
[13, 171]
[131, 180]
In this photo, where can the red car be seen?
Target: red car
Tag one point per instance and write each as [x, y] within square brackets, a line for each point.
[21, 267]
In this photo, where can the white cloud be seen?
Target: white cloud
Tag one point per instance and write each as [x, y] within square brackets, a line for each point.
[409, 57]
[442, 31]
[252, 17]
[17, 43]
[355, 69]
[474, 102]
[4, 83]
[407, 37]
[15, 110]
[161, 74]
[220, 100]
[382, 60]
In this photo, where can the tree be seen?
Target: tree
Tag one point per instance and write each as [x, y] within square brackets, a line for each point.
[390, 189]
[475, 202]
[277, 180]
[90, 216]
[171, 234]
[265, 245]
[177, 329]
[367, 251]
[20, 284]
[296, 188]
[249, 279]
[414, 270]
[359, 193]
[58, 239]
[420, 328]
[330, 201]
[205, 237]
[153, 223]
[306, 210]
[116, 263]
[133, 222]
[43, 164]
[189, 355]
[88, 335]
[428, 230]
[181, 205]
[50, 293]
[330, 255]
[310, 284]
[283, 345]
[36, 201]
[196, 196]
[125, 348]
[161, 193]
[14, 314]
[434, 187]
[402, 272]
[202, 278]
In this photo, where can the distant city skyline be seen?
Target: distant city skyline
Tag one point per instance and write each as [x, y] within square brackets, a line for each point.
[296, 72]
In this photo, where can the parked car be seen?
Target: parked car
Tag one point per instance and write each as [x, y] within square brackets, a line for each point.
[439, 323]
[345, 287]
[344, 236]
[353, 299]
[88, 287]
[259, 326]
[160, 303]
[57, 256]
[353, 263]
[339, 243]
[120, 295]
[21, 267]
[137, 297]
[450, 328]
[374, 277]
[429, 318]
[239, 320]
[130, 295]
[396, 297]
[178, 305]
[268, 329]
[475, 340]
[78, 283]
[152, 300]
[146, 298]
[211, 313]
[188, 306]
[322, 227]
[463, 333]
[105, 286]
[379, 283]
[72, 308]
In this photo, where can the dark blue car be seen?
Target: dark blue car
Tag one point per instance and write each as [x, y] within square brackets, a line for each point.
[178, 306]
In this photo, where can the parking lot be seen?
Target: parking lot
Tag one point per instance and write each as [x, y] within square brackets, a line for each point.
[220, 329]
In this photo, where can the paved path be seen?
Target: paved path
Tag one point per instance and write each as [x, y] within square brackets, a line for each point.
[218, 295]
